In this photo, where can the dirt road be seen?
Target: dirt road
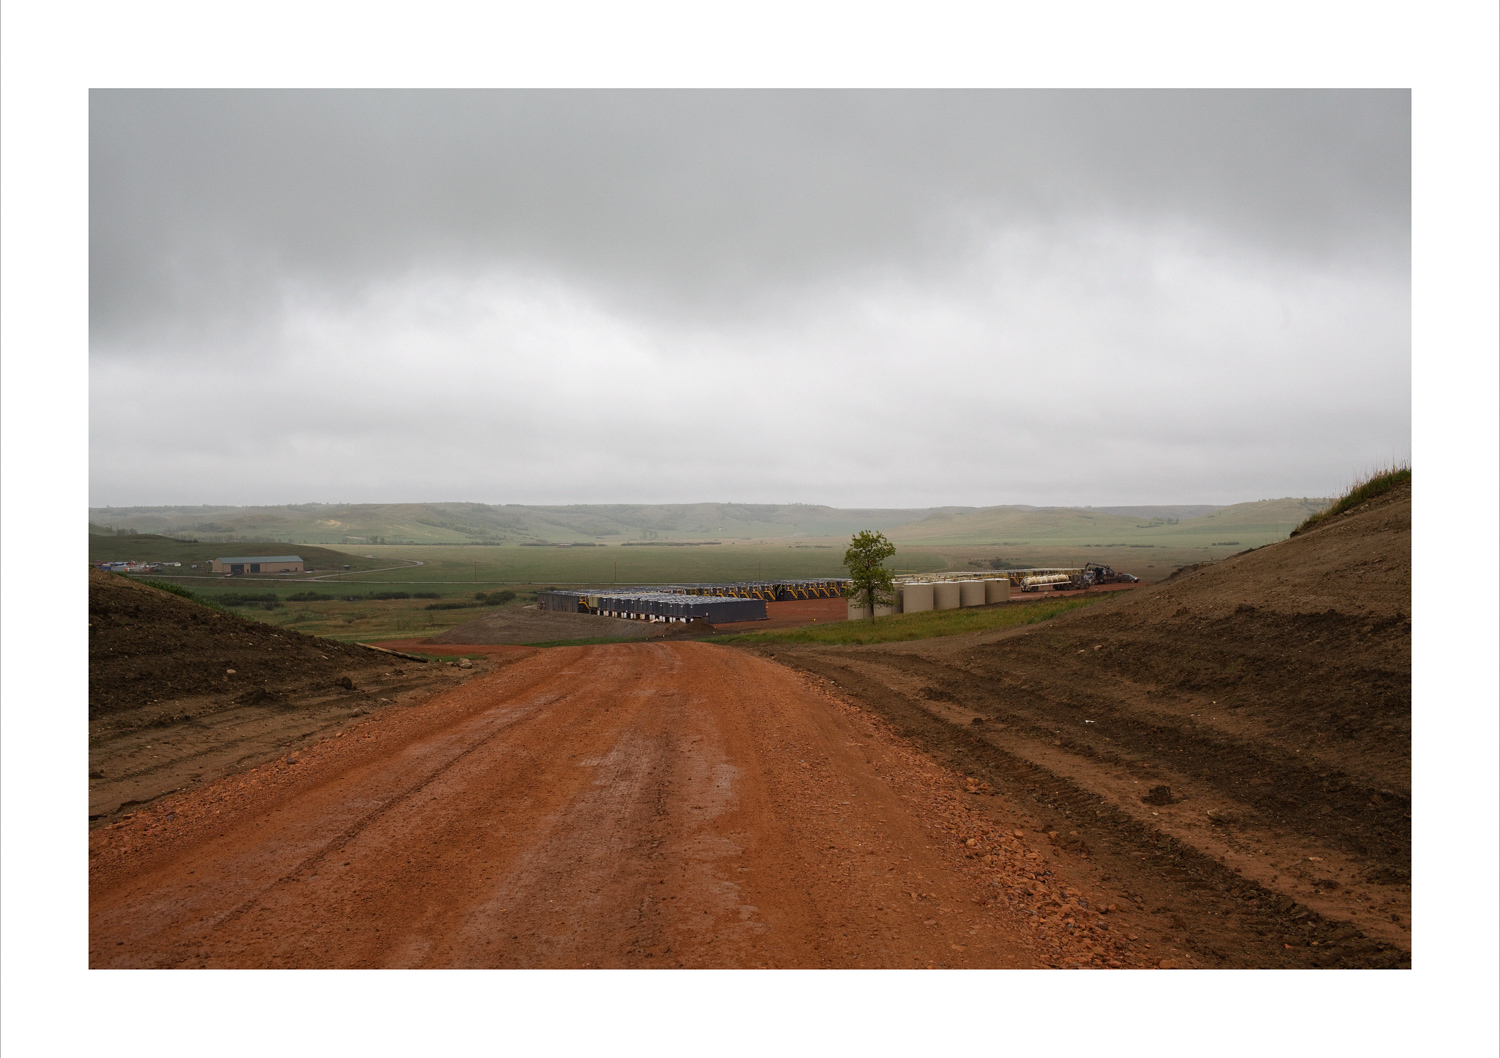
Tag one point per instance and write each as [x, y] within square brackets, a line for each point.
[628, 805]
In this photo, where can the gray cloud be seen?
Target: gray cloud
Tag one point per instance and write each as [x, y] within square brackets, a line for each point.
[1203, 295]
[693, 197]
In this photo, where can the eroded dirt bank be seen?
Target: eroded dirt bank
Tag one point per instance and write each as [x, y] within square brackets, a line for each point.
[631, 805]
[1228, 752]
[180, 694]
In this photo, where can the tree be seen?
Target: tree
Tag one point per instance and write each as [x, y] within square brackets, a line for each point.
[872, 581]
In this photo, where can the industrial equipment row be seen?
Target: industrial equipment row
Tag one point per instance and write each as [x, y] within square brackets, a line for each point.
[950, 591]
[1070, 579]
[1040, 578]
[665, 606]
[767, 590]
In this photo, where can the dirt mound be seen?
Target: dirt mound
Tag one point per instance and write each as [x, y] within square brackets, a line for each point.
[1308, 642]
[180, 693]
[1357, 562]
[1232, 747]
[147, 645]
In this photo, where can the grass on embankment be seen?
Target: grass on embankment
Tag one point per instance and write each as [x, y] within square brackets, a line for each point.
[1374, 485]
[931, 624]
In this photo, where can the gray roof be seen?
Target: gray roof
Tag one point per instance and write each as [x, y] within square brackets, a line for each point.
[263, 558]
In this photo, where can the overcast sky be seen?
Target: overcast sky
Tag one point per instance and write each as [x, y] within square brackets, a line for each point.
[885, 298]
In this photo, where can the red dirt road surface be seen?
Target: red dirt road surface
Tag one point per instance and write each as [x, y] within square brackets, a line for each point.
[626, 805]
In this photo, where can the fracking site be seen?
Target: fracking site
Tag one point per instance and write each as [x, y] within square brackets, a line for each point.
[739, 601]
[1210, 771]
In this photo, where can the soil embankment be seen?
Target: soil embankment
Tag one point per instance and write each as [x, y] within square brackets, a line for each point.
[632, 805]
[181, 694]
[1227, 752]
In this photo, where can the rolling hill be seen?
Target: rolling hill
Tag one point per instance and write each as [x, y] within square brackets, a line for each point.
[461, 523]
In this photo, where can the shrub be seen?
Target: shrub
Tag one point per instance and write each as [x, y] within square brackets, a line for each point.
[308, 596]
[495, 598]
[234, 598]
[451, 605]
[390, 595]
[425, 595]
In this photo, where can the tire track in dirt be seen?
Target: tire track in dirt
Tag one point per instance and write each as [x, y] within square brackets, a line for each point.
[628, 805]
[472, 742]
[1204, 906]
[1304, 795]
[225, 826]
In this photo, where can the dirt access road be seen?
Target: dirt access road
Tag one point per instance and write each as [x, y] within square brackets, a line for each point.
[626, 805]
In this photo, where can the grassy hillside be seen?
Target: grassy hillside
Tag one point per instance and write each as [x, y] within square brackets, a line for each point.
[1248, 524]
[148, 547]
[459, 569]
[357, 525]
[460, 523]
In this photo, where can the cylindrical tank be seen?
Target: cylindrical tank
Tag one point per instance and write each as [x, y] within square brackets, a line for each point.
[945, 595]
[916, 598]
[1043, 581]
[997, 591]
[856, 612]
[896, 592]
[971, 593]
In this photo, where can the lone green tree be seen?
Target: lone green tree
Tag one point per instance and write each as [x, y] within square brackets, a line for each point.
[872, 581]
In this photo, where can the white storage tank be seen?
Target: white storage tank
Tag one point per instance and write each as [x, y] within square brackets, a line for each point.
[997, 591]
[856, 612]
[971, 593]
[945, 595]
[916, 597]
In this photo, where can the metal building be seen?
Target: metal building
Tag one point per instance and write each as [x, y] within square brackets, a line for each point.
[259, 564]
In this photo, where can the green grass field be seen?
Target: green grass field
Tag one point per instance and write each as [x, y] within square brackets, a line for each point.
[364, 620]
[456, 570]
[348, 616]
[146, 547]
[932, 624]
[616, 565]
